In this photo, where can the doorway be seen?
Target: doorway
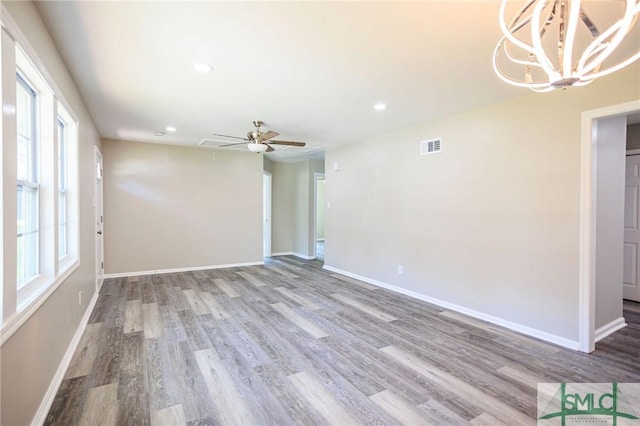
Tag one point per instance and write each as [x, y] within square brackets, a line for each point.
[601, 220]
[266, 214]
[631, 260]
[319, 205]
[99, 218]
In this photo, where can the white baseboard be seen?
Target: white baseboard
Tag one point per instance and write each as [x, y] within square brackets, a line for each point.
[529, 331]
[188, 269]
[291, 253]
[52, 390]
[610, 328]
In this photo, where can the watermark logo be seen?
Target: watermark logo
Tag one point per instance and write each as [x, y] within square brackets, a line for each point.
[588, 404]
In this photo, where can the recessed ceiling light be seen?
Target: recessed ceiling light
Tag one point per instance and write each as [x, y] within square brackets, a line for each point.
[159, 133]
[379, 107]
[202, 67]
[171, 129]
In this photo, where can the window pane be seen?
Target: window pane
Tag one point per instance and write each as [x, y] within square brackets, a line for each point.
[25, 120]
[62, 225]
[62, 189]
[62, 154]
[27, 195]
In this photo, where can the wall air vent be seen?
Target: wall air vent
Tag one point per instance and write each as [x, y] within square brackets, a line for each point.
[432, 146]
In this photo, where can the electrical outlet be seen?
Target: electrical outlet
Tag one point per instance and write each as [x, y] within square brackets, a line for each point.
[80, 298]
[400, 269]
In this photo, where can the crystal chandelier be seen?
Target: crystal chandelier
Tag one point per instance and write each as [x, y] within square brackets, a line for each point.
[552, 44]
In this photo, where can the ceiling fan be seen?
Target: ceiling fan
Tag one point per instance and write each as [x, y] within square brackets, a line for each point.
[258, 141]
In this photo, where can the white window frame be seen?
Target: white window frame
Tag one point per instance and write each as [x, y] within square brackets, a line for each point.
[62, 218]
[31, 181]
[18, 305]
[71, 189]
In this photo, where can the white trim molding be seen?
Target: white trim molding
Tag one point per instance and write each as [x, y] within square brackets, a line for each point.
[529, 331]
[633, 152]
[610, 328]
[52, 390]
[173, 270]
[588, 203]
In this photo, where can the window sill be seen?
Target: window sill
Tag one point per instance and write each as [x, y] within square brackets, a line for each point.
[27, 308]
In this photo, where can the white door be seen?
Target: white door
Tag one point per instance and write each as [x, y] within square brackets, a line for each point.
[99, 220]
[266, 215]
[631, 290]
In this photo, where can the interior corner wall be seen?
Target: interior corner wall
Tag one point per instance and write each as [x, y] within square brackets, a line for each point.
[611, 162]
[267, 164]
[32, 355]
[490, 224]
[170, 207]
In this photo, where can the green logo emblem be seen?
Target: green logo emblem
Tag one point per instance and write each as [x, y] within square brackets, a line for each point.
[587, 403]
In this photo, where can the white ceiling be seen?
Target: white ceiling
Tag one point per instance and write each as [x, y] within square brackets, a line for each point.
[311, 70]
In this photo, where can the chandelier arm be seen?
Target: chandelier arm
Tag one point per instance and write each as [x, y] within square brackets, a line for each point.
[528, 61]
[596, 46]
[536, 39]
[615, 68]
[503, 76]
[572, 26]
[507, 31]
[619, 30]
[589, 23]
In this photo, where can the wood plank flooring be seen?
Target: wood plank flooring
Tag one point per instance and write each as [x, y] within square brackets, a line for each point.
[289, 343]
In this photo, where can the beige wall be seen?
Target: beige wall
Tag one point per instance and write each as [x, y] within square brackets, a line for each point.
[172, 207]
[30, 358]
[282, 202]
[611, 138]
[491, 223]
[633, 136]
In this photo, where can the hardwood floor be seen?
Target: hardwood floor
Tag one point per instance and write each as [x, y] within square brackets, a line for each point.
[290, 343]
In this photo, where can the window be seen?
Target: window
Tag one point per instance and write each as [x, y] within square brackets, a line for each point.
[43, 134]
[28, 246]
[62, 190]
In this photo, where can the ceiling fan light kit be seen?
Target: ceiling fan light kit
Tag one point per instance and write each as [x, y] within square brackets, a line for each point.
[258, 141]
[257, 147]
[553, 44]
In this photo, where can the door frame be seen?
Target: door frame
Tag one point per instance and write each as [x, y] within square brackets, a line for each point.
[98, 191]
[588, 205]
[629, 153]
[267, 214]
[316, 177]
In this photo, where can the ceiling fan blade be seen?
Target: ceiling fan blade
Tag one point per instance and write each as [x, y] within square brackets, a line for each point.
[268, 135]
[232, 144]
[270, 148]
[232, 137]
[288, 143]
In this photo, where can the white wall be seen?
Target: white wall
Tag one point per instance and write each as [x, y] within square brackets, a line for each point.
[30, 358]
[172, 207]
[491, 223]
[611, 145]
